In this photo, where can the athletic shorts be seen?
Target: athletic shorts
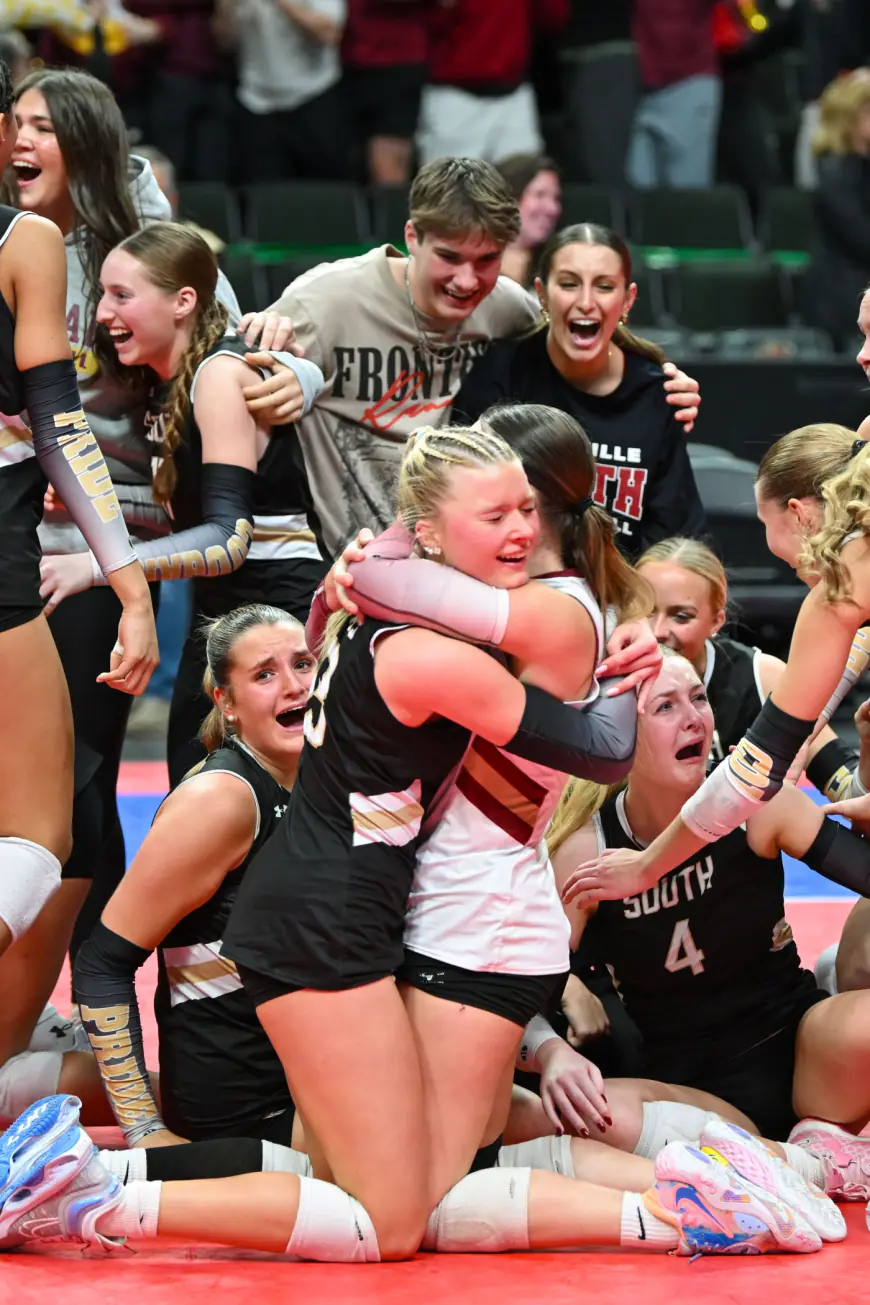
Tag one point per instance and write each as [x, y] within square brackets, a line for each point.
[515, 997]
[22, 489]
[385, 101]
[759, 1080]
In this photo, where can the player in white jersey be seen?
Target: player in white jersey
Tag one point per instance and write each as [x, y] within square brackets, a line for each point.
[485, 931]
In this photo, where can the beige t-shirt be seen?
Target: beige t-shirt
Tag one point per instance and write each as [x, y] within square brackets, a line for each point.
[356, 323]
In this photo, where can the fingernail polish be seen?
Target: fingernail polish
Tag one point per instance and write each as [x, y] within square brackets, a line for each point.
[608, 1121]
[602, 1128]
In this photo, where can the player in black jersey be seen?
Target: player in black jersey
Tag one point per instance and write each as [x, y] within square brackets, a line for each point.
[219, 1076]
[705, 960]
[36, 772]
[236, 488]
[691, 593]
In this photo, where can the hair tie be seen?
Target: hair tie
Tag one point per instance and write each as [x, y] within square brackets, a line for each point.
[857, 447]
[580, 509]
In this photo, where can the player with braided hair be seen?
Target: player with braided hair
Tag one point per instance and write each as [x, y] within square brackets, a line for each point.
[236, 489]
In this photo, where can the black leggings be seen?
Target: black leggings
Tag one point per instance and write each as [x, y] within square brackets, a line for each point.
[85, 628]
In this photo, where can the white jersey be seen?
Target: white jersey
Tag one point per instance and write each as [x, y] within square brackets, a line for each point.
[484, 895]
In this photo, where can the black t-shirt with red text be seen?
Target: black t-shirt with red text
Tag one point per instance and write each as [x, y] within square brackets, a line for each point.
[644, 477]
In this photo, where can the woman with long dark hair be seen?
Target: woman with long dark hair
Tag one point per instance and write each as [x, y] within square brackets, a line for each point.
[583, 359]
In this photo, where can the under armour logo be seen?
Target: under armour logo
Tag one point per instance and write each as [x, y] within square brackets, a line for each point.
[279, 810]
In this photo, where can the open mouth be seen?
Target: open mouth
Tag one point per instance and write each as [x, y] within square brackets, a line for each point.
[25, 172]
[584, 331]
[120, 335]
[691, 752]
[513, 559]
[459, 298]
[292, 719]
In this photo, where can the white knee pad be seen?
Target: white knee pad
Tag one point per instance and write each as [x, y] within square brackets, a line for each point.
[670, 1121]
[486, 1211]
[826, 969]
[29, 876]
[550, 1153]
[278, 1159]
[332, 1227]
[27, 1078]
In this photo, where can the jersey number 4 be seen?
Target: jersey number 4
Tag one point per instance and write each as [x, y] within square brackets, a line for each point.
[313, 733]
[682, 953]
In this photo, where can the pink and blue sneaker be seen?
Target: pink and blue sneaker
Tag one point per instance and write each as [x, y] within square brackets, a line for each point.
[716, 1211]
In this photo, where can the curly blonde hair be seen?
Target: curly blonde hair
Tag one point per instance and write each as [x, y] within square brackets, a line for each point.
[174, 256]
[818, 462]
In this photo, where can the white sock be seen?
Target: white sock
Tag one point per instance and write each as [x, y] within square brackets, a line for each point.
[278, 1159]
[670, 1121]
[130, 1166]
[808, 1166]
[136, 1216]
[640, 1227]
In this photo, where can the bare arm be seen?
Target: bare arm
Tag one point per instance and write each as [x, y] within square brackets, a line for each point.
[578, 847]
[829, 764]
[853, 953]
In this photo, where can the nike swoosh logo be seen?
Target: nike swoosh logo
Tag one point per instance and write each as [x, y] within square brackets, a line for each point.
[642, 1229]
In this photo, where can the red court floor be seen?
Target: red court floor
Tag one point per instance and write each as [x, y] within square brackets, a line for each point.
[208, 1275]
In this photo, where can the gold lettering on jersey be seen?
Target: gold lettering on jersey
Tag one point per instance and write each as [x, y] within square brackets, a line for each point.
[109, 1033]
[859, 653]
[218, 559]
[88, 464]
[684, 885]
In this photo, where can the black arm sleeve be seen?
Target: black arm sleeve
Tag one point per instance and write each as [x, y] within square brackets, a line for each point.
[220, 543]
[842, 856]
[831, 769]
[595, 742]
[71, 459]
[104, 982]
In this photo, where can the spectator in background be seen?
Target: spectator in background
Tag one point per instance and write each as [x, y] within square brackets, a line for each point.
[537, 187]
[16, 52]
[601, 88]
[189, 89]
[836, 37]
[478, 102]
[294, 119]
[840, 267]
[673, 141]
[384, 56]
[165, 176]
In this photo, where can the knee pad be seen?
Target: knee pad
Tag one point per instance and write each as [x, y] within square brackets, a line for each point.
[332, 1227]
[29, 876]
[26, 1078]
[550, 1153]
[278, 1159]
[487, 1211]
[826, 969]
[670, 1121]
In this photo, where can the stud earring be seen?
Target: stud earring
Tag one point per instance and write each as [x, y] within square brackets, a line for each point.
[432, 552]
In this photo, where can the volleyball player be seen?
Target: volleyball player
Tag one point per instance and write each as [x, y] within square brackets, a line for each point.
[706, 962]
[219, 1076]
[37, 374]
[237, 490]
[394, 335]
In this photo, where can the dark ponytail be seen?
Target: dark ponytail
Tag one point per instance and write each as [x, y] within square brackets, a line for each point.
[221, 635]
[558, 461]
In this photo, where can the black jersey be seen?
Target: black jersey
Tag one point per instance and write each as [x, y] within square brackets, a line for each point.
[11, 387]
[706, 956]
[286, 528]
[733, 683]
[323, 905]
[219, 1075]
[644, 477]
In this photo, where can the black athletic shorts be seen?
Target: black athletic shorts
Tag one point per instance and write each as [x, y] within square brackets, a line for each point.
[22, 489]
[515, 997]
[758, 1080]
[385, 101]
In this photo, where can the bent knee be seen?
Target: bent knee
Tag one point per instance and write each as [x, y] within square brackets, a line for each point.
[399, 1236]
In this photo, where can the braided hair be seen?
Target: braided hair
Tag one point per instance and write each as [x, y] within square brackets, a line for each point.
[174, 256]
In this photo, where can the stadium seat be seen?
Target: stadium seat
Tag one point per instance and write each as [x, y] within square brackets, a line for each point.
[306, 213]
[765, 591]
[389, 213]
[280, 275]
[774, 343]
[213, 206]
[787, 219]
[592, 204]
[724, 295]
[649, 306]
[246, 278]
[715, 218]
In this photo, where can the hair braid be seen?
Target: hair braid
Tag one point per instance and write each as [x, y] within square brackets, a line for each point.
[210, 327]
